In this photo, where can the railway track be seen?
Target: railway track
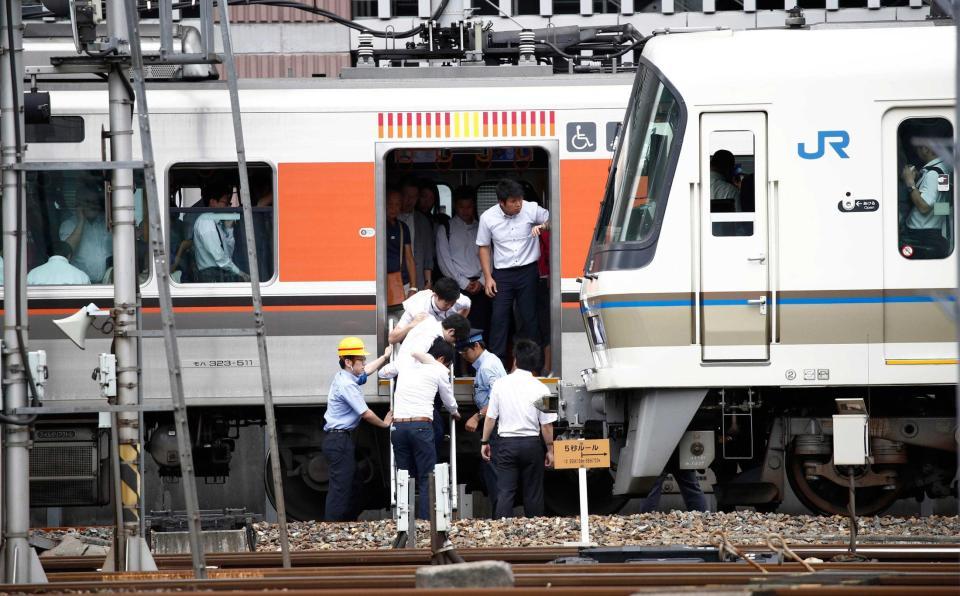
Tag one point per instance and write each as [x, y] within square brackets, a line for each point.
[926, 569]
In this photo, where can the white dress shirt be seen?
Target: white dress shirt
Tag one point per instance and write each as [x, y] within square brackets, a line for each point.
[457, 256]
[927, 184]
[416, 388]
[57, 271]
[94, 247]
[513, 246]
[424, 302]
[511, 404]
[213, 243]
[419, 339]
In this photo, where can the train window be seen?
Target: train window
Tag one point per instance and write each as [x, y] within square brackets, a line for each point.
[60, 129]
[207, 239]
[926, 189]
[641, 180]
[69, 239]
[732, 182]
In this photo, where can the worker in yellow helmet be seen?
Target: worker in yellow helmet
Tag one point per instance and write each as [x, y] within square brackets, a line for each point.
[345, 409]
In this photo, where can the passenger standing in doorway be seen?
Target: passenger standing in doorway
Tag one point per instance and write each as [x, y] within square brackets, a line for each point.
[488, 370]
[345, 409]
[510, 231]
[458, 258]
[925, 229]
[421, 233]
[412, 436]
[519, 455]
[401, 268]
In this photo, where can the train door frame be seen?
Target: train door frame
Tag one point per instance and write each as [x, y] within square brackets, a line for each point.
[906, 282]
[733, 305]
[552, 147]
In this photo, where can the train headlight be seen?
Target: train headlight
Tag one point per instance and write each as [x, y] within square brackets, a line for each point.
[597, 333]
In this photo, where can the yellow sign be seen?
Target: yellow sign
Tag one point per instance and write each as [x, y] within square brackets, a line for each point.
[589, 453]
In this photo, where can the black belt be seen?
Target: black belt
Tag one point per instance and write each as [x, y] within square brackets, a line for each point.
[340, 430]
[524, 437]
[531, 264]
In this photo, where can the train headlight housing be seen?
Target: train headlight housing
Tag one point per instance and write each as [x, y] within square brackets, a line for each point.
[597, 332]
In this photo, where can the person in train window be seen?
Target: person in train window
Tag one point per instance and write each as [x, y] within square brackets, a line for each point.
[443, 300]
[926, 226]
[58, 271]
[724, 195]
[457, 255]
[452, 329]
[519, 455]
[421, 233]
[489, 368]
[399, 253]
[86, 233]
[412, 437]
[214, 242]
[345, 409]
[510, 230]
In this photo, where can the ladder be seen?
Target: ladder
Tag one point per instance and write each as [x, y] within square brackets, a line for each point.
[158, 250]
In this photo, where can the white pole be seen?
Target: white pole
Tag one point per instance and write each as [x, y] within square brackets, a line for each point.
[584, 510]
[454, 493]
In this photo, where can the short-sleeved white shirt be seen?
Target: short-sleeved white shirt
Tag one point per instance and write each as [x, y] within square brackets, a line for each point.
[513, 245]
[423, 302]
[511, 403]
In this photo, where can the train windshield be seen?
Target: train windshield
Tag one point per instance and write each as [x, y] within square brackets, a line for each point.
[650, 141]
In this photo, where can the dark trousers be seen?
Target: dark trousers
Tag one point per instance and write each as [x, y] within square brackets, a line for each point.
[518, 285]
[488, 471]
[338, 449]
[415, 452]
[480, 305]
[519, 459]
[690, 490]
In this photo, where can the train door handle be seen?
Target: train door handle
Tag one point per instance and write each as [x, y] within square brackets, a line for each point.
[761, 302]
[758, 259]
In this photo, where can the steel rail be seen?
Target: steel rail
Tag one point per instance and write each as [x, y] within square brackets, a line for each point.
[907, 552]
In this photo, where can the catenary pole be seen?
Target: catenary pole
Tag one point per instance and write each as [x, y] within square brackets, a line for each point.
[16, 486]
[125, 280]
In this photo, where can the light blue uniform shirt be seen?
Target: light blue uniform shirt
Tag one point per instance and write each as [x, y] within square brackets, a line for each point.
[57, 271]
[345, 403]
[489, 369]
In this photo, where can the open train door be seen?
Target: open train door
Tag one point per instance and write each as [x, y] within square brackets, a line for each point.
[734, 297]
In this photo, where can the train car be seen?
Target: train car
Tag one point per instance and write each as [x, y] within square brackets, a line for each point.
[321, 155]
[778, 232]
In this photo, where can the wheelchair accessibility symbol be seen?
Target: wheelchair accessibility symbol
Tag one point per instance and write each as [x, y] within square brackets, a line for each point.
[581, 137]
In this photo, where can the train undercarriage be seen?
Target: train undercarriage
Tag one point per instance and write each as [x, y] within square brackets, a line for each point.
[754, 442]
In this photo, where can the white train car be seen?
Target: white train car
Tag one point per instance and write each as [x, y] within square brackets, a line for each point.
[759, 254]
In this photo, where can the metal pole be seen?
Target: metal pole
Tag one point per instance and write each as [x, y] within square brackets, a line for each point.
[16, 485]
[253, 260]
[124, 275]
[454, 492]
[163, 287]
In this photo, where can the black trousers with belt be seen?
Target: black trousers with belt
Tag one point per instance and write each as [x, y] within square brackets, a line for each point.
[516, 284]
[519, 459]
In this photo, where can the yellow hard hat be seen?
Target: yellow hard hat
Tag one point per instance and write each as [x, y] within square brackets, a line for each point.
[351, 346]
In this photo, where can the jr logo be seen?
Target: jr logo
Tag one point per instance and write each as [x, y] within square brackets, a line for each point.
[842, 140]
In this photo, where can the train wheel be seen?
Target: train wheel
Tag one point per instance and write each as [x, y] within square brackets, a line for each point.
[561, 494]
[826, 497]
[303, 501]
